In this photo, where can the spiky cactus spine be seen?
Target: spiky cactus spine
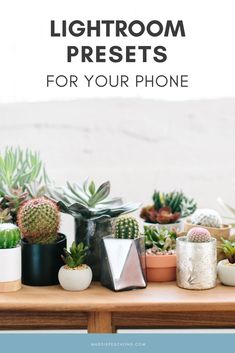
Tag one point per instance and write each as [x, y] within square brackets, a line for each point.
[198, 235]
[207, 218]
[126, 228]
[9, 236]
[38, 220]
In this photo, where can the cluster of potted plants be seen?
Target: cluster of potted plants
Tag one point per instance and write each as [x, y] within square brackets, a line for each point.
[168, 210]
[178, 241]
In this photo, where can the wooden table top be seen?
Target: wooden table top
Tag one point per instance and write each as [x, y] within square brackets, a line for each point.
[155, 298]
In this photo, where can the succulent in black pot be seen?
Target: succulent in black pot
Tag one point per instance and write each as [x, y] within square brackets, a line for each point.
[94, 212]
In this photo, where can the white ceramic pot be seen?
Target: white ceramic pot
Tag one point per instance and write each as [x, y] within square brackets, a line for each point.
[226, 272]
[178, 226]
[10, 269]
[75, 279]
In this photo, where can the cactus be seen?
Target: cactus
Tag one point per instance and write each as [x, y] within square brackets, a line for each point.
[228, 248]
[9, 236]
[198, 235]
[76, 256]
[39, 220]
[126, 228]
[206, 218]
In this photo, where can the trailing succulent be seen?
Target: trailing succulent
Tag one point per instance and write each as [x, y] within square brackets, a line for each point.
[20, 171]
[89, 201]
[159, 240]
[9, 236]
[126, 228]
[39, 220]
[168, 207]
[228, 248]
[76, 255]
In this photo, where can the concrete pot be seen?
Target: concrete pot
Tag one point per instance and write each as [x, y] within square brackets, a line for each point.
[226, 272]
[75, 279]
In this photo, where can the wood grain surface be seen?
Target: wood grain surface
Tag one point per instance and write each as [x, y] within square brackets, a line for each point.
[160, 305]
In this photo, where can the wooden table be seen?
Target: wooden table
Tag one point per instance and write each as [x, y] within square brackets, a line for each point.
[103, 311]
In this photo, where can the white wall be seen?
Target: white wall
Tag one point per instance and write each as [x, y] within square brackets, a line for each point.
[28, 54]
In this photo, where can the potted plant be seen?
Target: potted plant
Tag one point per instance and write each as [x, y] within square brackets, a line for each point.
[212, 221]
[160, 254]
[196, 260]
[75, 275]
[42, 244]
[123, 257]
[20, 172]
[10, 258]
[94, 212]
[168, 209]
[226, 268]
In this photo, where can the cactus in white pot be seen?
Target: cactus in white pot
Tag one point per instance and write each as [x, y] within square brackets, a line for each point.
[10, 258]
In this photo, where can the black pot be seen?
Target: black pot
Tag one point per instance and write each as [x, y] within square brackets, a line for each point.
[91, 232]
[41, 262]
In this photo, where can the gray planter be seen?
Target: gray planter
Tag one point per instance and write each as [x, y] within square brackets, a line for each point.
[91, 232]
[196, 264]
[123, 264]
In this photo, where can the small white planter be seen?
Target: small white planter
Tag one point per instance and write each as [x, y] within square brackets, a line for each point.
[226, 273]
[10, 269]
[177, 226]
[75, 279]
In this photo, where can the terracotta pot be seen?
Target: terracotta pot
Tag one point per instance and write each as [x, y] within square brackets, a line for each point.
[161, 268]
[218, 233]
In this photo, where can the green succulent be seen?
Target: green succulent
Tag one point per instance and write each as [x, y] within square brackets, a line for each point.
[126, 228]
[19, 169]
[231, 211]
[89, 201]
[228, 248]
[76, 255]
[162, 239]
[176, 201]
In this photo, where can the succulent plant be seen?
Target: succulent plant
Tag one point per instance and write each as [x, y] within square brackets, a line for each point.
[5, 216]
[198, 235]
[207, 218]
[228, 247]
[231, 211]
[9, 236]
[38, 220]
[168, 207]
[18, 170]
[160, 240]
[126, 228]
[89, 201]
[76, 255]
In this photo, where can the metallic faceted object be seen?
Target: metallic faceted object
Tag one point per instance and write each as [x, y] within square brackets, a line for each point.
[123, 264]
[196, 264]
